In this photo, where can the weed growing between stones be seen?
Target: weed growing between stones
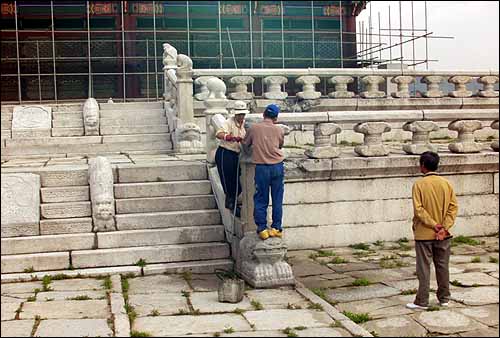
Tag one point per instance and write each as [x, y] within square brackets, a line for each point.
[256, 305]
[315, 306]
[154, 313]
[238, 311]
[187, 275]
[141, 263]
[46, 283]
[290, 332]
[433, 308]
[29, 270]
[409, 292]
[463, 240]
[360, 246]
[338, 260]
[374, 333]
[31, 298]
[216, 334]
[134, 333]
[493, 260]
[361, 282]
[185, 293]
[229, 330]
[293, 307]
[379, 243]
[38, 319]
[476, 259]
[358, 318]
[335, 323]
[300, 328]
[80, 297]
[132, 315]
[106, 283]
[456, 283]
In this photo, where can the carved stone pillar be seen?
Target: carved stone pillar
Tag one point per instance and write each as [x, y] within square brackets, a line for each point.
[494, 144]
[372, 142]
[101, 194]
[169, 63]
[323, 147]
[489, 86]
[433, 82]
[240, 85]
[308, 83]
[91, 117]
[273, 84]
[460, 88]
[403, 83]
[201, 83]
[341, 83]
[216, 103]
[188, 139]
[185, 108]
[465, 142]
[372, 84]
[420, 141]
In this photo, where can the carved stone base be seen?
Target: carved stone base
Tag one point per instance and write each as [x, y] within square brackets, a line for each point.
[488, 93]
[323, 152]
[420, 148]
[433, 93]
[341, 95]
[310, 95]
[188, 139]
[372, 95]
[372, 150]
[401, 95]
[275, 95]
[262, 263]
[461, 93]
[465, 147]
[241, 96]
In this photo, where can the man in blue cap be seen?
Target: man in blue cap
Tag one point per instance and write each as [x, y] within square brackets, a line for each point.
[267, 139]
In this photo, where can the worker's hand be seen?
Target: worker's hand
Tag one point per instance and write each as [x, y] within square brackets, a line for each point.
[441, 234]
[438, 227]
[229, 138]
[237, 139]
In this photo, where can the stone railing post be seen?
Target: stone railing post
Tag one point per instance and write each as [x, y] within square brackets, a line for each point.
[433, 82]
[494, 144]
[488, 86]
[403, 83]
[308, 83]
[372, 84]
[420, 141]
[201, 83]
[341, 83]
[273, 84]
[101, 194]
[372, 141]
[240, 85]
[465, 142]
[169, 64]
[91, 117]
[185, 111]
[323, 147]
[460, 88]
[216, 103]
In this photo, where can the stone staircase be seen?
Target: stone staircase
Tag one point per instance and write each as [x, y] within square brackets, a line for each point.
[166, 214]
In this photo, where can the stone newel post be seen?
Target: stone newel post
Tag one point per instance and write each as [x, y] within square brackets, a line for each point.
[169, 70]
[403, 86]
[91, 117]
[460, 88]
[201, 83]
[465, 142]
[240, 85]
[216, 103]
[433, 82]
[323, 147]
[489, 86]
[372, 83]
[101, 194]
[185, 109]
[373, 145]
[308, 83]
[494, 144]
[273, 84]
[341, 83]
[420, 141]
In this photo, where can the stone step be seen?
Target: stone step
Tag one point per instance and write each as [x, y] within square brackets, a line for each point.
[167, 219]
[65, 210]
[46, 141]
[57, 115]
[47, 243]
[131, 105]
[6, 124]
[64, 132]
[67, 123]
[85, 148]
[37, 262]
[137, 129]
[65, 194]
[6, 134]
[132, 121]
[162, 189]
[65, 226]
[150, 254]
[159, 204]
[136, 138]
[134, 114]
[209, 266]
[168, 171]
[151, 237]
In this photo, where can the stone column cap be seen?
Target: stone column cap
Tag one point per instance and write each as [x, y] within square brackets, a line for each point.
[465, 125]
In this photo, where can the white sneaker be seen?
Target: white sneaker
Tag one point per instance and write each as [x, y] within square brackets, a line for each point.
[446, 304]
[414, 306]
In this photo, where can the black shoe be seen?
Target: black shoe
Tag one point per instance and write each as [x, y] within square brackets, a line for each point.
[238, 211]
[229, 204]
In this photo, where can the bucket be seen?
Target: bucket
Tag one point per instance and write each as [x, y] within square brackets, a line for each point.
[231, 287]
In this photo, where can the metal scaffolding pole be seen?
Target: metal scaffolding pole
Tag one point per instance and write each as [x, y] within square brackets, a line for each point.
[53, 48]
[413, 34]
[89, 50]
[251, 33]
[341, 33]
[17, 55]
[400, 36]
[379, 37]
[390, 35]
[155, 49]
[370, 32]
[123, 55]
[426, 43]
[220, 34]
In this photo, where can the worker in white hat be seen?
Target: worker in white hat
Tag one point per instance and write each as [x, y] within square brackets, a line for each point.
[230, 135]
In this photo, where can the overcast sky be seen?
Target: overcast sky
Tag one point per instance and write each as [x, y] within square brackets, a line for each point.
[473, 24]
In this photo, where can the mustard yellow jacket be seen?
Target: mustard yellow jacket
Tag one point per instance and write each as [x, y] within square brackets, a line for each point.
[434, 202]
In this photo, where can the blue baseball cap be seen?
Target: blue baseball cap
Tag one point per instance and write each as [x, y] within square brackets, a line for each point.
[272, 110]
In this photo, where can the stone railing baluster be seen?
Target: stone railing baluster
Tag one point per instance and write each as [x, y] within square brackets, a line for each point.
[372, 142]
[488, 86]
[216, 103]
[323, 147]
[494, 144]
[273, 84]
[372, 83]
[201, 83]
[433, 82]
[465, 142]
[420, 141]
[403, 83]
[91, 117]
[308, 83]
[341, 83]
[241, 84]
[460, 88]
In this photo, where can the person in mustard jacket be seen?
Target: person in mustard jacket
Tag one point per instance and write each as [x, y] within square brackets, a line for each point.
[435, 209]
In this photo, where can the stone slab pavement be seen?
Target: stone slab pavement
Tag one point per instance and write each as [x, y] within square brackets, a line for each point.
[368, 283]
[371, 283]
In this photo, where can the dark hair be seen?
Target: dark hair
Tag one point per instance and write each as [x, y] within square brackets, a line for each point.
[430, 160]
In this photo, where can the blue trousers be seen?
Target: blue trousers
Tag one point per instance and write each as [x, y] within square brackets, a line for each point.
[268, 176]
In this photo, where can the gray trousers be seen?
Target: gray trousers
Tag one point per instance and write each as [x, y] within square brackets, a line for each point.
[439, 253]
